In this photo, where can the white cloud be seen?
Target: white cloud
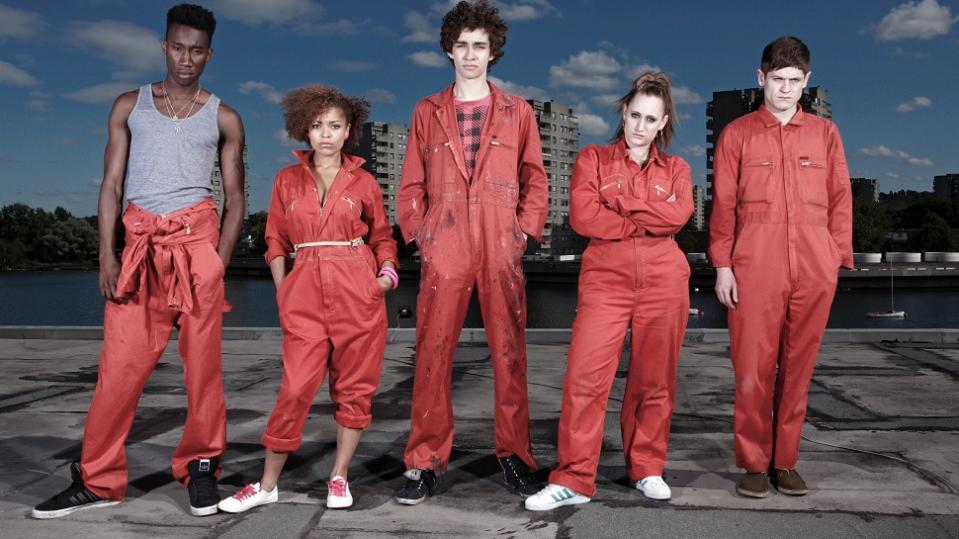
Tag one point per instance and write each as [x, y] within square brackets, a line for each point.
[11, 75]
[918, 102]
[379, 95]
[19, 24]
[695, 150]
[587, 69]
[592, 124]
[682, 95]
[419, 28]
[526, 92]
[134, 48]
[526, 10]
[283, 138]
[607, 100]
[589, 123]
[923, 20]
[275, 13]
[267, 91]
[351, 66]
[100, 93]
[884, 151]
[428, 59]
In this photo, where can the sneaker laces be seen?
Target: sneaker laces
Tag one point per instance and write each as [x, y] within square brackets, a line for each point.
[250, 490]
[337, 486]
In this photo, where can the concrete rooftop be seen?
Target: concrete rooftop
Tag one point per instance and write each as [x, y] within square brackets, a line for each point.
[881, 450]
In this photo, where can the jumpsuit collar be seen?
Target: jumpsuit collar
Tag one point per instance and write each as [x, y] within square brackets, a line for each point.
[498, 99]
[350, 162]
[621, 153]
[769, 120]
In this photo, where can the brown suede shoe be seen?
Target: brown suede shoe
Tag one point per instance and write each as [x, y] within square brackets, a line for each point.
[753, 485]
[789, 482]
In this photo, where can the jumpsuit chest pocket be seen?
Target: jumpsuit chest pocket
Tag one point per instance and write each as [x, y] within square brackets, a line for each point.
[812, 181]
[500, 181]
[500, 164]
[611, 187]
[440, 166]
[659, 189]
[756, 179]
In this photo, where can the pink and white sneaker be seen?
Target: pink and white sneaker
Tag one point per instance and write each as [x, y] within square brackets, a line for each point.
[247, 498]
[339, 496]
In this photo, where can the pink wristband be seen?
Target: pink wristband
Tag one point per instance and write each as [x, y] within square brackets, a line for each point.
[392, 275]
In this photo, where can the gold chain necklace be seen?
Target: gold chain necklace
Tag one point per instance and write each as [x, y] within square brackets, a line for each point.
[175, 114]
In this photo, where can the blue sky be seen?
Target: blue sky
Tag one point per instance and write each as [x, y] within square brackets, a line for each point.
[891, 69]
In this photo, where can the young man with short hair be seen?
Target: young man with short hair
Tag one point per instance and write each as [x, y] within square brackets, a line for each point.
[473, 189]
[781, 227]
[163, 140]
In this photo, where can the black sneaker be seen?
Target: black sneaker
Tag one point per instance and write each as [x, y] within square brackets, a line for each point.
[74, 498]
[419, 485]
[518, 477]
[204, 491]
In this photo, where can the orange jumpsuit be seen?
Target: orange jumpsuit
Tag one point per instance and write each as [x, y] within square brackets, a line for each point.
[332, 310]
[633, 275]
[782, 220]
[470, 232]
[171, 270]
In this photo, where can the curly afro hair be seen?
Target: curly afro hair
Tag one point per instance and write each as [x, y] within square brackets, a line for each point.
[474, 16]
[302, 105]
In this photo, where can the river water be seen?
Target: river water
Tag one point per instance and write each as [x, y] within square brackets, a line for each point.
[70, 298]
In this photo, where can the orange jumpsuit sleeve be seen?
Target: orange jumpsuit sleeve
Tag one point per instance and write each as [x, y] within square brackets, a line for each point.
[533, 185]
[840, 197]
[722, 221]
[587, 214]
[381, 233]
[659, 217]
[412, 200]
[277, 234]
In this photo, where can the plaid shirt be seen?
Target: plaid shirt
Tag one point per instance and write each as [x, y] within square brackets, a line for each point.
[471, 117]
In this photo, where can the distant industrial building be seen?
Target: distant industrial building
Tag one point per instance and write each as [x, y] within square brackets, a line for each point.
[946, 187]
[865, 189]
[728, 105]
[383, 145]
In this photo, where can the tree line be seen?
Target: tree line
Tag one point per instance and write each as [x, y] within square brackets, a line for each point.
[33, 238]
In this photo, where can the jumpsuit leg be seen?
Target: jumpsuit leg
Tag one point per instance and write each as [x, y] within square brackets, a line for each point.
[445, 288]
[599, 332]
[502, 296]
[805, 324]
[200, 341]
[306, 351]
[659, 324]
[358, 335]
[135, 334]
[755, 333]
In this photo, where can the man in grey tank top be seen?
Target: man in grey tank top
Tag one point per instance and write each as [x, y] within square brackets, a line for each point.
[163, 140]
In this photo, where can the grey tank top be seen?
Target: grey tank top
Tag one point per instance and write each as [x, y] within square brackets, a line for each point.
[168, 171]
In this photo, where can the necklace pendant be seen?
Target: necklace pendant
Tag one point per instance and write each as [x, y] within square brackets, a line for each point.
[177, 128]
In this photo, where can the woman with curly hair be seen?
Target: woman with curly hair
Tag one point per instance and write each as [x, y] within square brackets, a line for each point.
[330, 213]
[629, 198]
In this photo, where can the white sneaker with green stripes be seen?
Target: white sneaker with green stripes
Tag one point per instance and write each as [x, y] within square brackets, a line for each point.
[553, 496]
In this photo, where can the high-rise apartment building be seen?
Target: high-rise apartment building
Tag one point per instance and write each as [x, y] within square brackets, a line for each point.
[699, 208]
[865, 189]
[946, 187]
[383, 145]
[559, 133]
[216, 180]
[728, 105]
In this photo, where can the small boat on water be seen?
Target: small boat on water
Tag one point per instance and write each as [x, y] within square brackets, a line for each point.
[892, 313]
